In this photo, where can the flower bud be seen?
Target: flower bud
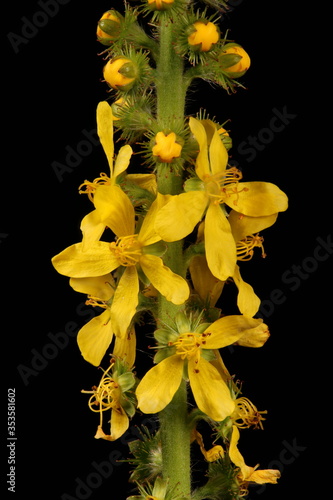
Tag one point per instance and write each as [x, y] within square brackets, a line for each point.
[108, 27]
[234, 60]
[120, 73]
[160, 4]
[166, 147]
[204, 35]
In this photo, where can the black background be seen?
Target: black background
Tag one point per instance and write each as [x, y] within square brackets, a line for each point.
[51, 86]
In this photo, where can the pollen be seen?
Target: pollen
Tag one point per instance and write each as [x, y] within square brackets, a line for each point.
[245, 247]
[127, 249]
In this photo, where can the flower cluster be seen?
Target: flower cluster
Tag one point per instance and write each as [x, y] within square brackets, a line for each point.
[165, 240]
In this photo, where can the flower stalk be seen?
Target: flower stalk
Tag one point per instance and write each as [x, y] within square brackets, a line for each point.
[164, 241]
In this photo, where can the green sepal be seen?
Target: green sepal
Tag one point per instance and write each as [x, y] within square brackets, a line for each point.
[164, 353]
[158, 249]
[228, 60]
[126, 381]
[110, 27]
[193, 184]
[163, 336]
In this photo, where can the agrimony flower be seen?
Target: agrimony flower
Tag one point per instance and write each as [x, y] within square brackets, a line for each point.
[190, 348]
[204, 36]
[133, 253]
[166, 147]
[216, 188]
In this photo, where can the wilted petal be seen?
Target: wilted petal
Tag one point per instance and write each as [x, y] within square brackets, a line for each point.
[247, 301]
[125, 301]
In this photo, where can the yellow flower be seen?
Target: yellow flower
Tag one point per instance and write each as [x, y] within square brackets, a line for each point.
[210, 391]
[95, 336]
[131, 252]
[111, 395]
[120, 73]
[217, 188]
[243, 64]
[204, 36]
[166, 147]
[249, 474]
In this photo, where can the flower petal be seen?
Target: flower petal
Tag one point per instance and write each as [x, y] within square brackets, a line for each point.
[209, 390]
[119, 423]
[220, 244]
[122, 160]
[125, 301]
[148, 234]
[255, 337]
[171, 285]
[228, 329]
[92, 228]
[205, 284]
[159, 384]
[125, 347]
[202, 167]
[218, 154]
[95, 337]
[104, 118]
[115, 209]
[258, 199]
[101, 287]
[243, 225]
[187, 209]
[76, 263]
[247, 301]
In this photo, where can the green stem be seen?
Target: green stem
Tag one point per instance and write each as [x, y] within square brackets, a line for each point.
[170, 93]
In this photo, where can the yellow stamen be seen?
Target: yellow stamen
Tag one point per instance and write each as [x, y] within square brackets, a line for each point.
[106, 395]
[90, 187]
[127, 249]
[246, 414]
[96, 302]
[221, 186]
[188, 345]
[245, 247]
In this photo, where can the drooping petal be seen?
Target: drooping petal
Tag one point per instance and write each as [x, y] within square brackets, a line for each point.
[172, 286]
[219, 243]
[228, 329]
[210, 392]
[247, 301]
[186, 209]
[125, 347]
[122, 160]
[119, 423]
[218, 154]
[92, 228]
[101, 287]
[208, 287]
[95, 337]
[125, 301]
[202, 167]
[115, 209]
[258, 199]
[159, 384]
[76, 263]
[104, 118]
[249, 473]
[243, 225]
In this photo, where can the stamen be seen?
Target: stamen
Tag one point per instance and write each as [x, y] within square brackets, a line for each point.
[90, 187]
[245, 247]
[127, 249]
[188, 345]
[96, 302]
[246, 414]
[221, 186]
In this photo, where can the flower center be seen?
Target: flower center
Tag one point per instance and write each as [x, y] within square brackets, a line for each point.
[245, 247]
[127, 249]
[188, 345]
[90, 187]
[224, 185]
